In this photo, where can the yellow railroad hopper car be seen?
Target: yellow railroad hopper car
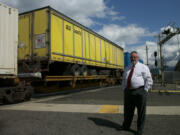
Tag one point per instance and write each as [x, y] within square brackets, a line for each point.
[54, 44]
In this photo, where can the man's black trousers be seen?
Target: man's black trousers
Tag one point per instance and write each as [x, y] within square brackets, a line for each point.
[135, 98]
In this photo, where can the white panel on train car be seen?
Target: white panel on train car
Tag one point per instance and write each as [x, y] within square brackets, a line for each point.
[8, 40]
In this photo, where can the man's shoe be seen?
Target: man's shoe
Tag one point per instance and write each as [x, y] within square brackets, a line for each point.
[138, 133]
[125, 128]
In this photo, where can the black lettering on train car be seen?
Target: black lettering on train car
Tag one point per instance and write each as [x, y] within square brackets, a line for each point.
[68, 27]
[77, 32]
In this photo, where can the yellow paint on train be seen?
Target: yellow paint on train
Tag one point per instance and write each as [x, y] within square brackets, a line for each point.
[68, 42]
[56, 37]
[87, 47]
[47, 34]
[98, 51]
[84, 46]
[40, 48]
[103, 53]
[24, 49]
[78, 48]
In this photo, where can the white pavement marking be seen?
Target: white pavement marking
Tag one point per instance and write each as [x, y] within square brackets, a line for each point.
[54, 107]
[48, 98]
[86, 108]
[158, 110]
[164, 110]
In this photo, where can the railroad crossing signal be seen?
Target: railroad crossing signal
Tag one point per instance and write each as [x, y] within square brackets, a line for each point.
[155, 55]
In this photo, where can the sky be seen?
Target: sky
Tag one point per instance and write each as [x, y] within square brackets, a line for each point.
[131, 24]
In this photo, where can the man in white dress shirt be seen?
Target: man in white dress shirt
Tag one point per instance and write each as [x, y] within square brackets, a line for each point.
[136, 82]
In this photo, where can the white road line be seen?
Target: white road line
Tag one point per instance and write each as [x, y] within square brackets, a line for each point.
[48, 98]
[54, 107]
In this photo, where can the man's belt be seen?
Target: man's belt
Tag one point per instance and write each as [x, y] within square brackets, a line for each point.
[136, 88]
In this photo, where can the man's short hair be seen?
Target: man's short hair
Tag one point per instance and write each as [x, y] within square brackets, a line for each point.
[134, 52]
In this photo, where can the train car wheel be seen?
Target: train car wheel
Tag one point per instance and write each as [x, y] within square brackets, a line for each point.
[9, 96]
[84, 70]
[28, 93]
[75, 70]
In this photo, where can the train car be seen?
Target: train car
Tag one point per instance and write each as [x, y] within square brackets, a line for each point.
[45, 45]
[12, 86]
[8, 40]
[53, 44]
[141, 61]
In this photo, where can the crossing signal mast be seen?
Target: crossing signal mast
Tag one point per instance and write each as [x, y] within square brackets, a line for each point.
[166, 34]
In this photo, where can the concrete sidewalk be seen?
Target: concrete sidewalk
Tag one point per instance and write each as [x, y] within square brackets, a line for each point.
[87, 108]
[158, 86]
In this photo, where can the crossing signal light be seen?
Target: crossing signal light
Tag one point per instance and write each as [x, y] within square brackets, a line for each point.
[155, 54]
[156, 63]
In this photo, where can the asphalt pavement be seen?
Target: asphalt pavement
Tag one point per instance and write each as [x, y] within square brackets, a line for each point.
[90, 112]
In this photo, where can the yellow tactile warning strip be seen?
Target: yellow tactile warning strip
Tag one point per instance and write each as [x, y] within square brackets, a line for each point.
[169, 91]
[109, 109]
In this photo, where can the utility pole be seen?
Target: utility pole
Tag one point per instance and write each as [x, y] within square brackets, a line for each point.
[161, 59]
[147, 55]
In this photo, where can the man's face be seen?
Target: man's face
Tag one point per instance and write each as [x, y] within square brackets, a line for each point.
[134, 58]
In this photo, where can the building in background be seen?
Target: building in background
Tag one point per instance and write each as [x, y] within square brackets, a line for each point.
[127, 60]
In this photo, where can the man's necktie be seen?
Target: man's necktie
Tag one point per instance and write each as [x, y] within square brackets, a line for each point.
[129, 77]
